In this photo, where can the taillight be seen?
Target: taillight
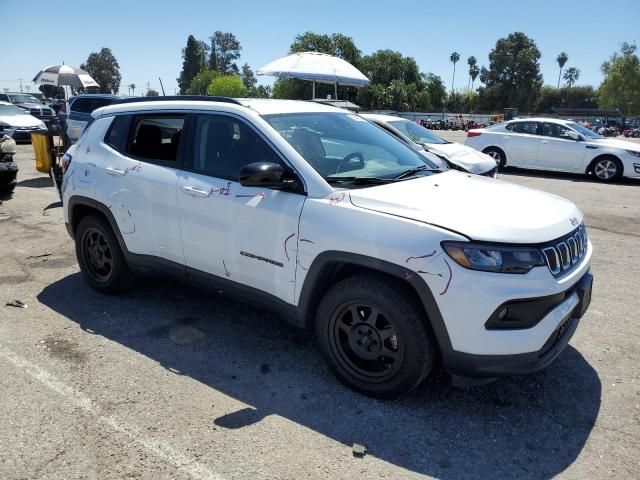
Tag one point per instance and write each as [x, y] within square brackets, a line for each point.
[473, 134]
[66, 161]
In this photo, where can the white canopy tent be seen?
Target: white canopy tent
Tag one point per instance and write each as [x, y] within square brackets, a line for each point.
[316, 67]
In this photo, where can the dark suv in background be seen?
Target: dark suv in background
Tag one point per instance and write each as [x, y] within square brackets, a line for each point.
[80, 107]
[30, 103]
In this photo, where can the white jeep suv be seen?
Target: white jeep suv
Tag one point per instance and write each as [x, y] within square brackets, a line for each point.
[322, 216]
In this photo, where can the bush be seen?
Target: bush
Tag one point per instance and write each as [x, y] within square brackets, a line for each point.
[227, 86]
[201, 82]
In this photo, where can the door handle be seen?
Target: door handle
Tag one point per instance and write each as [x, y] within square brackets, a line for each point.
[196, 192]
[114, 171]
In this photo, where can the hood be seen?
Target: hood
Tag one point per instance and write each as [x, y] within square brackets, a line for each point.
[20, 120]
[468, 158]
[479, 207]
[32, 105]
[612, 142]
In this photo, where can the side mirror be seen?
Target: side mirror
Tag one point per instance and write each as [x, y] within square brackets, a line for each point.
[574, 135]
[265, 174]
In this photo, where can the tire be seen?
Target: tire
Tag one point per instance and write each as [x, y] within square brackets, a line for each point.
[99, 255]
[606, 169]
[635, 134]
[497, 155]
[384, 358]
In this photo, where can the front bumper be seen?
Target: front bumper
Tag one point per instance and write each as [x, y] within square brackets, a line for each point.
[490, 366]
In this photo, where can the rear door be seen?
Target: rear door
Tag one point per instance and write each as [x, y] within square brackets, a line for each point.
[558, 151]
[522, 143]
[138, 182]
[247, 235]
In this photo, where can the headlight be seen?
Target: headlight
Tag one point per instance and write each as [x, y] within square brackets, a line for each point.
[494, 258]
[634, 153]
[42, 126]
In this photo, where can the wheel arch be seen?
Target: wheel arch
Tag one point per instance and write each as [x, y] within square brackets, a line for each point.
[332, 266]
[600, 156]
[80, 207]
[497, 147]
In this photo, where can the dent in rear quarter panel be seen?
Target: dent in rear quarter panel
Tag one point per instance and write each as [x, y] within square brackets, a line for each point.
[333, 223]
[90, 153]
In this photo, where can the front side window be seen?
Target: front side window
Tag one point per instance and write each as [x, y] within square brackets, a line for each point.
[343, 144]
[555, 130]
[156, 137]
[223, 145]
[416, 132]
[584, 131]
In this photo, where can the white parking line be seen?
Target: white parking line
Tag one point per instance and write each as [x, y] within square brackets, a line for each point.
[158, 448]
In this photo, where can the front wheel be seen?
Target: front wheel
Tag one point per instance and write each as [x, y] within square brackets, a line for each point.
[607, 169]
[374, 336]
[497, 155]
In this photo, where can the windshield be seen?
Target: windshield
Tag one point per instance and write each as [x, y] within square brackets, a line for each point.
[416, 132]
[345, 145]
[11, 110]
[584, 131]
[23, 99]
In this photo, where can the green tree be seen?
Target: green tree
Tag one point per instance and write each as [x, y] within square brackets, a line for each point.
[397, 92]
[576, 97]
[513, 78]
[454, 58]
[201, 82]
[248, 78]
[152, 93]
[474, 71]
[423, 101]
[104, 69]
[621, 85]
[193, 56]
[336, 44]
[571, 76]
[437, 91]
[473, 64]
[132, 88]
[561, 59]
[225, 50]
[261, 91]
[227, 86]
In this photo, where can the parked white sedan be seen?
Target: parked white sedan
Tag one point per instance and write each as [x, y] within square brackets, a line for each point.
[457, 156]
[560, 145]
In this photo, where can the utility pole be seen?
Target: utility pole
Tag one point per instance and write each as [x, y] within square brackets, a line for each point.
[148, 86]
[20, 80]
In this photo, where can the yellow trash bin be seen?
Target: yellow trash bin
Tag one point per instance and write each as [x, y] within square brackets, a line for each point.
[42, 148]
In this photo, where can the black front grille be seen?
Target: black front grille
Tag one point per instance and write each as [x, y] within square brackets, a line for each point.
[564, 254]
[41, 113]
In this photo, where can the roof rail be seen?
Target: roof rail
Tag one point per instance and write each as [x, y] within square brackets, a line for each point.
[178, 97]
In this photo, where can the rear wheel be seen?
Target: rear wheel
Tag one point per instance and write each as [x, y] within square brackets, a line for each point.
[497, 155]
[100, 257]
[607, 169]
[374, 336]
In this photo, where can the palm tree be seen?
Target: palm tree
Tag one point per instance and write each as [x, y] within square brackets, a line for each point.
[561, 59]
[571, 76]
[472, 62]
[132, 86]
[454, 57]
[474, 71]
[379, 95]
[397, 92]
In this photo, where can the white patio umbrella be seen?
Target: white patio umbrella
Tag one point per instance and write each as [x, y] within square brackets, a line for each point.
[316, 67]
[65, 75]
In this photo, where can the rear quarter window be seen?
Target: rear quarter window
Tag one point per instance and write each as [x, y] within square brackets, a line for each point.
[117, 136]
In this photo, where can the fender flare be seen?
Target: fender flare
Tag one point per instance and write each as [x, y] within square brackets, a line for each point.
[323, 267]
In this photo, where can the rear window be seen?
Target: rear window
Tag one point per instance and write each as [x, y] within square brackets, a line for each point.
[118, 133]
[156, 137]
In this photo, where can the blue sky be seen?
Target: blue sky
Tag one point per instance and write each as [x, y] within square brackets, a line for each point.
[147, 38]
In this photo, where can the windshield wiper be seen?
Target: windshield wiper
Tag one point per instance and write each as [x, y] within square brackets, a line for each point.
[358, 180]
[413, 171]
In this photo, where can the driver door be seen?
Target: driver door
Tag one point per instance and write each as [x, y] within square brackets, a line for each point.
[247, 235]
[558, 151]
